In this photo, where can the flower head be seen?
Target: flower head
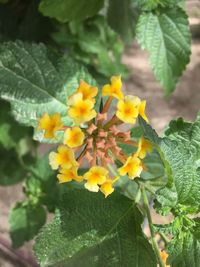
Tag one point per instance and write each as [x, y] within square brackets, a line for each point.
[132, 167]
[64, 158]
[73, 137]
[164, 257]
[96, 142]
[144, 147]
[128, 109]
[95, 176]
[113, 89]
[81, 110]
[88, 91]
[67, 175]
[50, 124]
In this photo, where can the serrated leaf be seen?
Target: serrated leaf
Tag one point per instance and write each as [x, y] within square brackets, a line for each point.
[181, 149]
[184, 251]
[92, 231]
[25, 222]
[166, 36]
[149, 132]
[34, 80]
[69, 10]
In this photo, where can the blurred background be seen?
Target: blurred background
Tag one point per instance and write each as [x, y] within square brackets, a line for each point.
[184, 102]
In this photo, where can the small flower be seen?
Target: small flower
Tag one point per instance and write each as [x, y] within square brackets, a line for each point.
[164, 257]
[107, 187]
[88, 91]
[132, 167]
[73, 137]
[144, 147]
[95, 176]
[64, 158]
[50, 124]
[113, 89]
[81, 110]
[142, 110]
[67, 175]
[128, 109]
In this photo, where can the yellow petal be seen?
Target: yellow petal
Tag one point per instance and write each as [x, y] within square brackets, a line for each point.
[53, 161]
[91, 187]
[87, 90]
[107, 188]
[73, 137]
[142, 110]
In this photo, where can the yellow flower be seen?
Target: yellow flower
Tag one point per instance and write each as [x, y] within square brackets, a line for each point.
[67, 175]
[128, 109]
[64, 158]
[88, 91]
[113, 89]
[73, 137]
[50, 124]
[95, 176]
[142, 110]
[107, 187]
[132, 167]
[81, 110]
[144, 147]
[164, 257]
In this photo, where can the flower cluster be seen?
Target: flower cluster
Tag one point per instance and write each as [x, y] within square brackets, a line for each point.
[93, 141]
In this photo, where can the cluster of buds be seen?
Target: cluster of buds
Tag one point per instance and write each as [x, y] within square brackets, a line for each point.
[94, 139]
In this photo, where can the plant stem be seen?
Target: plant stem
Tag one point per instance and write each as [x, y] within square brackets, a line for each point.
[164, 238]
[154, 243]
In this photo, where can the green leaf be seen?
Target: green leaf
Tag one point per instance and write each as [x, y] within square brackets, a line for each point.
[25, 222]
[11, 171]
[92, 231]
[67, 10]
[184, 251]
[181, 149]
[166, 36]
[94, 43]
[35, 80]
[149, 132]
[148, 5]
[13, 135]
[125, 25]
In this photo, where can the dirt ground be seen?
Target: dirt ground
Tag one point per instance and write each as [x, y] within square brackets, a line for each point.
[184, 102]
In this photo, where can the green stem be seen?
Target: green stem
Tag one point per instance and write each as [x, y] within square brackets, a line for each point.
[153, 240]
[164, 238]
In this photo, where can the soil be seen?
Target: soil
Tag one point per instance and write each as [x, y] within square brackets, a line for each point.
[184, 102]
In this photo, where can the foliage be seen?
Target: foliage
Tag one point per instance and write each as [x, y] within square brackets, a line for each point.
[59, 44]
[102, 232]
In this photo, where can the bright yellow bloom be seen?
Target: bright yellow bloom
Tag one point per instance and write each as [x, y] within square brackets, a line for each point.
[113, 89]
[50, 124]
[164, 257]
[142, 110]
[81, 110]
[144, 147]
[128, 109]
[132, 167]
[73, 137]
[67, 175]
[64, 158]
[107, 187]
[88, 91]
[95, 176]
